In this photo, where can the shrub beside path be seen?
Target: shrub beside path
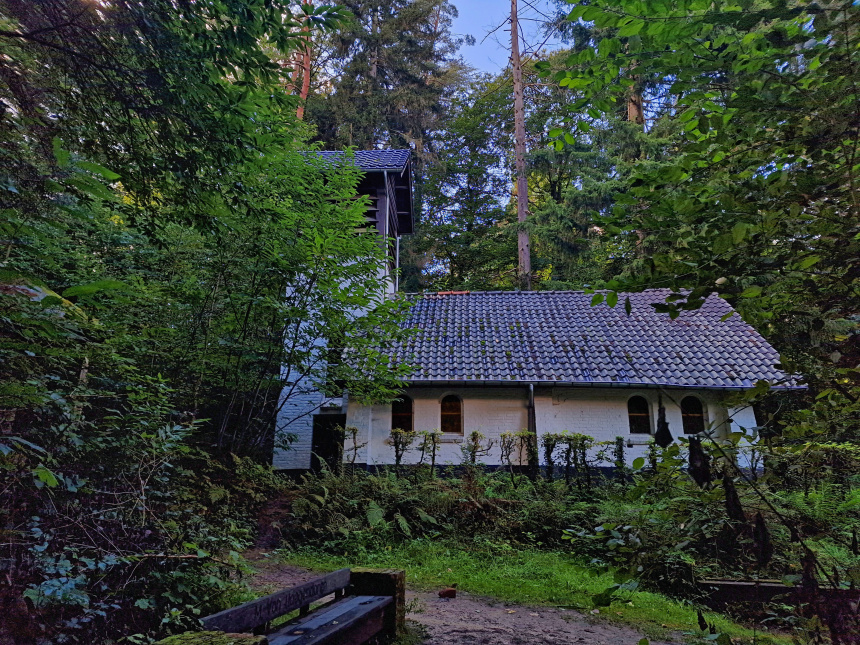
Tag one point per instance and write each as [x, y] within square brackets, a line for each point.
[472, 620]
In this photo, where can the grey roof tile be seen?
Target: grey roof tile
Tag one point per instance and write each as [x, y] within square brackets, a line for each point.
[370, 160]
[558, 337]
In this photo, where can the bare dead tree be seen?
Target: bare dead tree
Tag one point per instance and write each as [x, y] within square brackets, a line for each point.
[523, 242]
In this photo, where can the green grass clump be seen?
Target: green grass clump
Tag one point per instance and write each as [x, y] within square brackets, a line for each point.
[527, 576]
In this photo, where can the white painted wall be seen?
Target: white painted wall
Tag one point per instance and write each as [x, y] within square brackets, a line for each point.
[297, 411]
[598, 412]
[296, 417]
[490, 411]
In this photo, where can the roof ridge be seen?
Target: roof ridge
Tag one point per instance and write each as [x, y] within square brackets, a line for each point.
[515, 292]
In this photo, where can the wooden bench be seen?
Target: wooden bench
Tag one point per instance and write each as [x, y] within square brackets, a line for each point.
[366, 603]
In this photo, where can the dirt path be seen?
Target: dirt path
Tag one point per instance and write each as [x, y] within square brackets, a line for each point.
[472, 620]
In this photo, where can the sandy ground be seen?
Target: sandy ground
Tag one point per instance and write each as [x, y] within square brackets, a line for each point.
[472, 620]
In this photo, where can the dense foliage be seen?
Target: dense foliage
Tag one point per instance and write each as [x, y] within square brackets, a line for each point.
[758, 201]
[657, 526]
[173, 270]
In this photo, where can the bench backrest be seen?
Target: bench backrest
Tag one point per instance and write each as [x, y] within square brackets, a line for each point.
[249, 616]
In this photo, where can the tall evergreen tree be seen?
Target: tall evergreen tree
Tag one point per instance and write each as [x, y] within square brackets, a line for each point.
[468, 237]
[574, 176]
[386, 80]
[388, 75]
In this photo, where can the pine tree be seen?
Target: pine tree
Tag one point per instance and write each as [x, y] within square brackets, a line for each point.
[388, 73]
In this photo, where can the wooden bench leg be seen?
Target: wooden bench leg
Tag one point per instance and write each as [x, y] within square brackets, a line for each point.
[383, 582]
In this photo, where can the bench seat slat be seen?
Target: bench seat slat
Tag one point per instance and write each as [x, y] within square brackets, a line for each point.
[250, 615]
[359, 616]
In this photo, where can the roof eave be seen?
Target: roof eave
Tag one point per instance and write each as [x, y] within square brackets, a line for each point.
[583, 384]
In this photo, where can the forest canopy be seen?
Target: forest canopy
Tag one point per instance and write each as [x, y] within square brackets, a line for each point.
[172, 268]
[176, 263]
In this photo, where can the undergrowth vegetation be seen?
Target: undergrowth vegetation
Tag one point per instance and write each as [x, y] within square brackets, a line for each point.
[127, 528]
[355, 511]
[684, 515]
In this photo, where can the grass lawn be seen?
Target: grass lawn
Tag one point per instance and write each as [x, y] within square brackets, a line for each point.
[520, 575]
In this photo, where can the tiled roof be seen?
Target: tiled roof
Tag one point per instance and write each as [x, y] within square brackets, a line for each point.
[372, 160]
[558, 337]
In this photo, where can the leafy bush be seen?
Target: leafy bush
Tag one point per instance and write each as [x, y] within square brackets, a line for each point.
[360, 510]
[671, 532]
[117, 525]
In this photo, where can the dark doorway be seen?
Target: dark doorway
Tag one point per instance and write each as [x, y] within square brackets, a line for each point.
[327, 442]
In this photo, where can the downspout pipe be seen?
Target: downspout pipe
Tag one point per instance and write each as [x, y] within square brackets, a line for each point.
[533, 454]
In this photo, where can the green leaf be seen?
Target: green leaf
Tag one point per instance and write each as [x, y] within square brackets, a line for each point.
[591, 12]
[739, 232]
[92, 187]
[403, 524]
[627, 306]
[605, 597]
[638, 463]
[751, 292]
[424, 517]
[631, 29]
[612, 298]
[808, 261]
[110, 175]
[723, 243]
[36, 596]
[46, 476]
[577, 12]
[555, 132]
[596, 299]
[686, 115]
[374, 513]
[61, 155]
[94, 287]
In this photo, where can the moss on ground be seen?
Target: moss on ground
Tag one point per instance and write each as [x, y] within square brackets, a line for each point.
[213, 638]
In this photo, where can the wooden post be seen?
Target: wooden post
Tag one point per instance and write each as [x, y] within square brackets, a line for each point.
[383, 582]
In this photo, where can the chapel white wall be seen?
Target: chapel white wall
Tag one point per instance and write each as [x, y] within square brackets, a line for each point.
[598, 412]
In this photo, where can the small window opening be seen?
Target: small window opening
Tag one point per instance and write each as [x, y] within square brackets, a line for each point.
[639, 415]
[692, 415]
[402, 413]
[452, 414]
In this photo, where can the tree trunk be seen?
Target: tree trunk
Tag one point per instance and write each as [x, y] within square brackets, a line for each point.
[523, 244]
[635, 111]
[306, 69]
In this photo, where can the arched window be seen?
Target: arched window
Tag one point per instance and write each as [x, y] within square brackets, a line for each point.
[452, 414]
[692, 415]
[639, 415]
[402, 413]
